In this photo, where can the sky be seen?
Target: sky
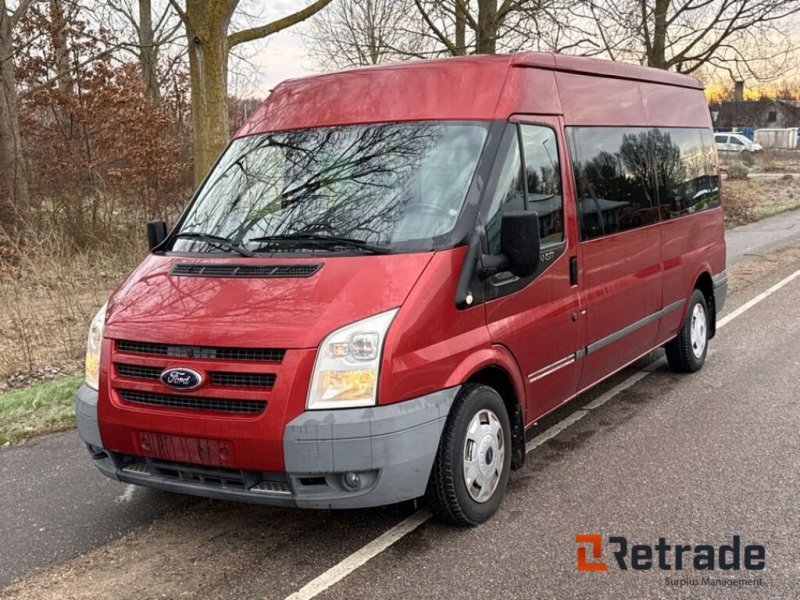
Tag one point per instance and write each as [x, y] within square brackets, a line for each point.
[268, 62]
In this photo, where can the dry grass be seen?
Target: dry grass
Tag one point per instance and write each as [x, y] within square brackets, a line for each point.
[48, 297]
[758, 198]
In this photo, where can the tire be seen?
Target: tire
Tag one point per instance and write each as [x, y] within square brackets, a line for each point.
[687, 352]
[452, 495]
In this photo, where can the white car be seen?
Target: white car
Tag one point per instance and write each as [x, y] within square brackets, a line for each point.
[735, 142]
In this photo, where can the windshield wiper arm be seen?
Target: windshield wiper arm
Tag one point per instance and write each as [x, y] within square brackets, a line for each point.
[217, 241]
[316, 238]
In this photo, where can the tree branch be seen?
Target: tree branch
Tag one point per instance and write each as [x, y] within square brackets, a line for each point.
[255, 33]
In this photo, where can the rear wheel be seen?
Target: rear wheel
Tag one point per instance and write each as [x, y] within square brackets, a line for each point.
[687, 352]
[470, 472]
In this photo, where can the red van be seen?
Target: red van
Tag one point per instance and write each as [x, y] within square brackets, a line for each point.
[391, 273]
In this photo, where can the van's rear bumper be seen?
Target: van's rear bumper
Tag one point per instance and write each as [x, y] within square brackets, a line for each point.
[390, 450]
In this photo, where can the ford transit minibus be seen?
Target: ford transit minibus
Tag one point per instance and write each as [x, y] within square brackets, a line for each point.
[391, 273]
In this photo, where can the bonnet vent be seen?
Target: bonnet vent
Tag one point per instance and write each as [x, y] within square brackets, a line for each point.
[244, 271]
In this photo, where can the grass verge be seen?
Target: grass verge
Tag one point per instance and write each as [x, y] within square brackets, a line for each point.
[41, 408]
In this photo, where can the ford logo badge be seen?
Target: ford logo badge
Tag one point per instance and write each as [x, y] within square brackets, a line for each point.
[181, 379]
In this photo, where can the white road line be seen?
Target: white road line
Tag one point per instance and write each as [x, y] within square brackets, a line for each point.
[748, 305]
[341, 570]
[359, 557]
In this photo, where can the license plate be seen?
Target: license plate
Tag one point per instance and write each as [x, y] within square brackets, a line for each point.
[178, 448]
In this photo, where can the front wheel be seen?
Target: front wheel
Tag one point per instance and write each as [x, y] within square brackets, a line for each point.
[470, 472]
[687, 352]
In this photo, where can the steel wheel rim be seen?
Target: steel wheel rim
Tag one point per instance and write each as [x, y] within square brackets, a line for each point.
[698, 330]
[484, 455]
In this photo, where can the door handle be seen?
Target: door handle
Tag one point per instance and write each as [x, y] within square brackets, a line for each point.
[573, 270]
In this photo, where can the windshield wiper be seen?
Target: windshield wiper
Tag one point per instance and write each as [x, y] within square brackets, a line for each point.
[315, 238]
[216, 241]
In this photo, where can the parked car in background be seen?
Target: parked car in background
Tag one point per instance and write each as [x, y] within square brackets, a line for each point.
[736, 142]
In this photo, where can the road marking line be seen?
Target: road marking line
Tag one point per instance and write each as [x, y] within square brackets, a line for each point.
[359, 557]
[341, 570]
[750, 304]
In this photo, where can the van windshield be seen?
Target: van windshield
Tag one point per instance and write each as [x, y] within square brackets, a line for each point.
[382, 185]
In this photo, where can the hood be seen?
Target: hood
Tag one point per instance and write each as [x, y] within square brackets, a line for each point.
[214, 308]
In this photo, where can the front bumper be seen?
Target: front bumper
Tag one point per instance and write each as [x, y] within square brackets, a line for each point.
[390, 450]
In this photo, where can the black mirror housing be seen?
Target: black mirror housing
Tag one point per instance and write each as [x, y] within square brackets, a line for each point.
[520, 243]
[156, 233]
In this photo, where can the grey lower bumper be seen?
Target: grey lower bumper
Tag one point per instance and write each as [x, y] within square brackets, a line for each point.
[385, 453]
[720, 281]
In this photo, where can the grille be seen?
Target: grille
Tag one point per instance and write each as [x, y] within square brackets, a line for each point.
[248, 380]
[139, 372]
[250, 407]
[244, 271]
[256, 354]
[243, 380]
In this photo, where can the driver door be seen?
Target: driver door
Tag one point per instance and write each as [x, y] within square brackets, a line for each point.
[538, 318]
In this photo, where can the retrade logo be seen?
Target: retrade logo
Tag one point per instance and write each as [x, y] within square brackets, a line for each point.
[663, 556]
[181, 379]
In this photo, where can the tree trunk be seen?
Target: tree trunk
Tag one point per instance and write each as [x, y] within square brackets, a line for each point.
[207, 32]
[461, 30]
[486, 36]
[13, 182]
[148, 53]
[657, 56]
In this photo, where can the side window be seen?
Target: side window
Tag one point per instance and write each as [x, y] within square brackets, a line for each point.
[509, 194]
[543, 180]
[721, 139]
[711, 170]
[683, 187]
[736, 141]
[615, 177]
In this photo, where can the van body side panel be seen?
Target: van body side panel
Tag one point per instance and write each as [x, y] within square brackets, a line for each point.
[430, 338]
[668, 106]
[691, 244]
[622, 286]
[531, 91]
[591, 100]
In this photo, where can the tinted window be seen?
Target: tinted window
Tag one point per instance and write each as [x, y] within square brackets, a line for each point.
[721, 139]
[543, 180]
[631, 177]
[736, 141]
[615, 176]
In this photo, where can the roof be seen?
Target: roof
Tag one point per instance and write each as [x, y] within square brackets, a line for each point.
[464, 88]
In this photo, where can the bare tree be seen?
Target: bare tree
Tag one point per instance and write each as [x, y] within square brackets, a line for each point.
[13, 182]
[744, 37]
[154, 28]
[353, 33]
[207, 23]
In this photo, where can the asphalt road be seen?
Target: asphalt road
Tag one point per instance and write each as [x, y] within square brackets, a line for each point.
[691, 458]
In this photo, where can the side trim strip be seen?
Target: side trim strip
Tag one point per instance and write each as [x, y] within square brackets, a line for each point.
[552, 368]
[602, 343]
[617, 335]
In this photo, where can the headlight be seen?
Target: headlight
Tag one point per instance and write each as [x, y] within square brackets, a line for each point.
[93, 345]
[346, 369]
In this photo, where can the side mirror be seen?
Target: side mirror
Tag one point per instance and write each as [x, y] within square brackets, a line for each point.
[156, 233]
[520, 243]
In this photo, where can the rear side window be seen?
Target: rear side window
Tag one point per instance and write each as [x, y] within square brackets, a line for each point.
[634, 177]
[721, 139]
[535, 187]
[614, 172]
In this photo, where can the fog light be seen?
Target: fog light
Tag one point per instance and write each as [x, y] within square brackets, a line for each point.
[352, 480]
